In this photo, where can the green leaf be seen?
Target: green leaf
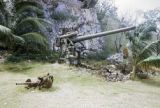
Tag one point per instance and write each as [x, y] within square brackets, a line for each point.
[4, 30]
[18, 40]
[147, 51]
[7, 38]
[152, 61]
[31, 25]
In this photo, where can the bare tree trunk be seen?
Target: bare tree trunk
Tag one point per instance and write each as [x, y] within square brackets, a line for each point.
[158, 47]
[133, 73]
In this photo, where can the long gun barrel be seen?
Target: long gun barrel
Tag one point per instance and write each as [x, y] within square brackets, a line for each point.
[68, 35]
[26, 83]
[87, 37]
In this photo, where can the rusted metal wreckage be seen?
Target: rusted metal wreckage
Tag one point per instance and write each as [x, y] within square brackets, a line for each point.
[70, 53]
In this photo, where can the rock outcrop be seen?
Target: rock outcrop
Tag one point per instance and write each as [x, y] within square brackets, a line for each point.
[113, 74]
[116, 58]
[72, 15]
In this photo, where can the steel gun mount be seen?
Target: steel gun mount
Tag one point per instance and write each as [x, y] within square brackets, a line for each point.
[70, 53]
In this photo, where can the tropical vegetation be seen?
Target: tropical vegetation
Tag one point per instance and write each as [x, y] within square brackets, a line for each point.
[143, 51]
[24, 28]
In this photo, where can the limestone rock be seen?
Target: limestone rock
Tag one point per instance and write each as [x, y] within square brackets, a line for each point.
[111, 73]
[70, 16]
[116, 58]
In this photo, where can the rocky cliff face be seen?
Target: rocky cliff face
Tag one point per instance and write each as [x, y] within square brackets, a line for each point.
[73, 15]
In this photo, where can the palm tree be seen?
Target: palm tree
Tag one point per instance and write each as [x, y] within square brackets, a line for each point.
[143, 52]
[27, 28]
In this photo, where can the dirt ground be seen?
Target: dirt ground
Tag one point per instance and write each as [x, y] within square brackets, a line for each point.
[74, 88]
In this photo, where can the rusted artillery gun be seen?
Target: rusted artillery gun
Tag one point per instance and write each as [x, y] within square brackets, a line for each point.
[70, 53]
[42, 82]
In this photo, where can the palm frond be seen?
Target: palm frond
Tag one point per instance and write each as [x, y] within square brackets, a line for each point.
[18, 40]
[137, 46]
[151, 28]
[146, 34]
[30, 9]
[31, 25]
[7, 38]
[148, 51]
[35, 42]
[22, 3]
[4, 30]
[152, 61]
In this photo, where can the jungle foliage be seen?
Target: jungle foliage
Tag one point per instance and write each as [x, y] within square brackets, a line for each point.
[24, 31]
[144, 42]
[142, 49]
